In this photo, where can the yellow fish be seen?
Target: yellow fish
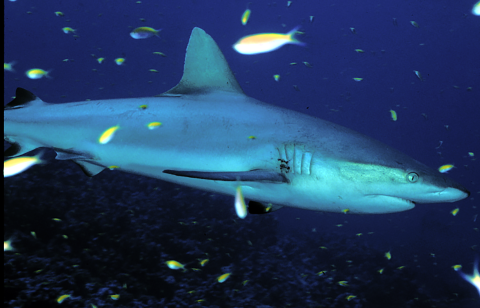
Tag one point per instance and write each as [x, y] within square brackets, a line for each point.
[115, 296]
[276, 77]
[153, 125]
[107, 135]
[175, 265]
[455, 211]
[246, 16]
[457, 267]
[119, 61]
[381, 270]
[345, 211]
[203, 262]
[62, 298]
[17, 165]
[343, 283]
[358, 79]
[9, 66]
[388, 255]
[476, 9]
[37, 73]
[445, 168]
[473, 279]
[100, 60]
[415, 24]
[68, 30]
[393, 114]
[222, 278]
[240, 206]
[265, 42]
[350, 297]
[144, 32]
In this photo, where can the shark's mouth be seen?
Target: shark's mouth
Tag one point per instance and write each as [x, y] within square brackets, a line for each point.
[394, 200]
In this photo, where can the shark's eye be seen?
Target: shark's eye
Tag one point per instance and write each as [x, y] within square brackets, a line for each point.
[412, 177]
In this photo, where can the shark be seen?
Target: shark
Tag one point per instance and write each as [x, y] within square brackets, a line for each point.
[210, 135]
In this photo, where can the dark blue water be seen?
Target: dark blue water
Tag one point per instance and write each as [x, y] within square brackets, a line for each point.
[121, 228]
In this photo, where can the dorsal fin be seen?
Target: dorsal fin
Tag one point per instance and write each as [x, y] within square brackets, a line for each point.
[205, 70]
[23, 98]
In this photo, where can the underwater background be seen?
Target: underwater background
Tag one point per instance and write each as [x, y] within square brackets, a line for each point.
[105, 240]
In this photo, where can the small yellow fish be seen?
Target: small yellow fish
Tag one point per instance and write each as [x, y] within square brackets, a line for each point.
[153, 70]
[115, 296]
[455, 211]
[393, 114]
[276, 77]
[246, 16]
[343, 283]
[62, 298]
[159, 53]
[476, 9]
[473, 279]
[471, 154]
[222, 278]
[400, 267]
[56, 219]
[144, 32]
[33, 234]
[415, 24]
[252, 137]
[37, 73]
[293, 63]
[381, 270]
[107, 135]
[200, 300]
[203, 262]
[323, 247]
[153, 125]
[265, 42]
[119, 61]
[350, 297]
[191, 292]
[388, 255]
[307, 64]
[113, 167]
[321, 273]
[245, 282]
[175, 265]
[357, 79]
[457, 267]
[7, 245]
[240, 206]
[445, 168]
[345, 211]
[17, 165]
[9, 66]
[68, 30]
[196, 269]
[359, 234]
[359, 50]
[419, 75]
[58, 13]
[100, 60]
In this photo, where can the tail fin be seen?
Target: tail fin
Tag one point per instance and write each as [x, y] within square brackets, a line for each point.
[20, 145]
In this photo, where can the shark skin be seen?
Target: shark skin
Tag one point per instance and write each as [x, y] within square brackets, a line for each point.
[214, 137]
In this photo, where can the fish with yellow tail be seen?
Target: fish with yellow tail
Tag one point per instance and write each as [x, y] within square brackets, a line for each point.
[265, 42]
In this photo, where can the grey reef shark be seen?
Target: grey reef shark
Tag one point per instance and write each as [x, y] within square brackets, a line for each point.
[206, 133]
